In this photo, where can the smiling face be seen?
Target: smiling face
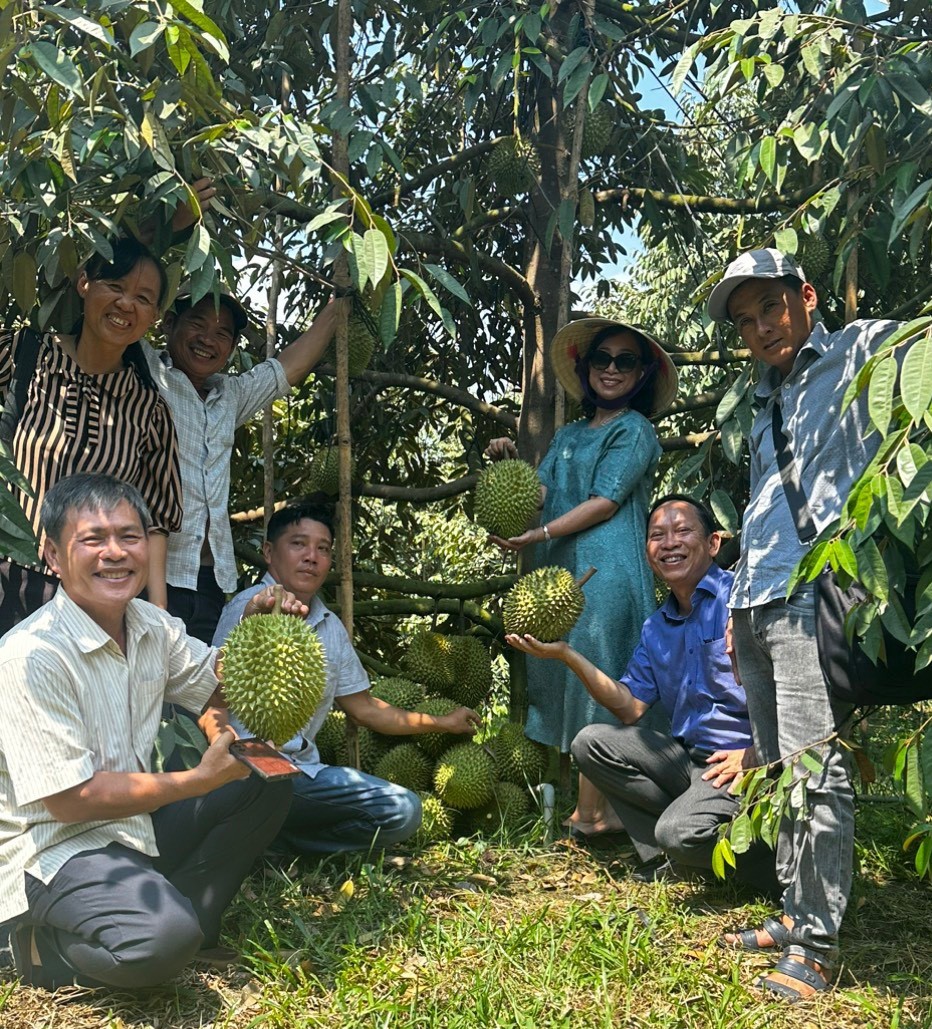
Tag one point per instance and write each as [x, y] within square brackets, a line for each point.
[117, 312]
[773, 320]
[102, 558]
[678, 549]
[201, 339]
[610, 383]
[301, 557]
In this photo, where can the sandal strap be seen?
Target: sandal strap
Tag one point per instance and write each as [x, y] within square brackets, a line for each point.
[797, 969]
[777, 930]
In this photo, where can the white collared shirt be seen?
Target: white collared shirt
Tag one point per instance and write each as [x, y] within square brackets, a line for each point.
[205, 442]
[72, 704]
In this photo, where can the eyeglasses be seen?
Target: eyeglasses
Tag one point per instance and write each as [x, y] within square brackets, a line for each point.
[623, 362]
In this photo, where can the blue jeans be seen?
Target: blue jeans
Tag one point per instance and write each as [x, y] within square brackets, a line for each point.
[342, 809]
[790, 710]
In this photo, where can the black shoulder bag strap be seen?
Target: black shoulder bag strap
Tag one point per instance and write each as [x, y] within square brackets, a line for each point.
[25, 360]
[792, 487]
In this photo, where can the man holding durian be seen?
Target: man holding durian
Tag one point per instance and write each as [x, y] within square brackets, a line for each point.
[111, 874]
[336, 808]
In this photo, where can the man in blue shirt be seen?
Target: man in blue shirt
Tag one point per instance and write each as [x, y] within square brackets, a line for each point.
[668, 790]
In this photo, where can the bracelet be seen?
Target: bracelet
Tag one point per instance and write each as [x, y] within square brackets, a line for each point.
[546, 533]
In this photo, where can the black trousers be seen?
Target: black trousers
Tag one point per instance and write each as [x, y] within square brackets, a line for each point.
[199, 609]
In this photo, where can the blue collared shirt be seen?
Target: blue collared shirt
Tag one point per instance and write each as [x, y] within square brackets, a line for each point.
[830, 450]
[681, 662]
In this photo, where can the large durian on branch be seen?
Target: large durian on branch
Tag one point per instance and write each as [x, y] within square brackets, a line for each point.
[507, 497]
[545, 604]
[274, 674]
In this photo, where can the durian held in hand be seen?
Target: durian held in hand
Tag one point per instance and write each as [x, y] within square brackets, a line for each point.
[274, 669]
[545, 604]
[507, 498]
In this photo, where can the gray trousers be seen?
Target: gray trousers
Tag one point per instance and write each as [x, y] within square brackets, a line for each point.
[790, 709]
[115, 917]
[657, 789]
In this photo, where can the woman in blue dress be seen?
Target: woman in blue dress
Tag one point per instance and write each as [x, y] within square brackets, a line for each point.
[597, 478]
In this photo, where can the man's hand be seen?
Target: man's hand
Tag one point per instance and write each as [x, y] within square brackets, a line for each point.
[724, 767]
[217, 765]
[184, 217]
[730, 648]
[500, 448]
[558, 649]
[461, 722]
[264, 602]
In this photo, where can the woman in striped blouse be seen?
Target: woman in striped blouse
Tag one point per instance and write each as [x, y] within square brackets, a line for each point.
[91, 406]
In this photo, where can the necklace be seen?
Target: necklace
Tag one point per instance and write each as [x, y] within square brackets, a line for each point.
[614, 414]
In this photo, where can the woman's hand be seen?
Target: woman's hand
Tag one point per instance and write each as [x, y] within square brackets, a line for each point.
[184, 217]
[518, 542]
[500, 448]
[535, 648]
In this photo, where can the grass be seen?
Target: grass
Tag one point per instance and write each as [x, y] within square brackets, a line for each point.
[522, 933]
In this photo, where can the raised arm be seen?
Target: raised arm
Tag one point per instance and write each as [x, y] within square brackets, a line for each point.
[375, 714]
[299, 358]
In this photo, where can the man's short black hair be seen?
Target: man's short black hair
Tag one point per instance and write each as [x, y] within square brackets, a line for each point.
[705, 515]
[88, 491]
[296, 511]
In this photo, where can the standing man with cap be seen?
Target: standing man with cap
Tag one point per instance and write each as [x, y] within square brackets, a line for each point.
[207, 407]
[805, 372]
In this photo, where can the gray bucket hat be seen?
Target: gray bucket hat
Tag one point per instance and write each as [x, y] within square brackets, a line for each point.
[754, 264]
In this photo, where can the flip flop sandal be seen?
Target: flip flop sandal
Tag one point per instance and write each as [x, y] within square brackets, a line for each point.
[796, 969]
[747, 938]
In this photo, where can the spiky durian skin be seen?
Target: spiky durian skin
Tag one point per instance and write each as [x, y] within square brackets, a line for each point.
[429, 659]
[546, 604]
[324, 472]
[372, 748]
[508, 809]
[513, 166]
[274, 674]
[436, 821]
[814, 254]
[586, 208]
[360, 344]
[399, 692]
[517, 759]
[507, 497]
[435, 743]
[597, 131]
[464, 776]
[406, 765]
[331, 739]
[472, 672]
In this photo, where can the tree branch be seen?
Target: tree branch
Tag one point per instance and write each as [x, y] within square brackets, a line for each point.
[710, 398]
[633, 196]
[441, 389]
[689, 442]
[427, 607]
[693, 357]
[421, 587]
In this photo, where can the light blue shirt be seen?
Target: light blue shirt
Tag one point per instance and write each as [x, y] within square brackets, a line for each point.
[345, 673]
[830, 449]
[681, 662]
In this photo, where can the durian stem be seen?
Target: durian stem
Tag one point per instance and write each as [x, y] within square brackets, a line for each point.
[278, 593]
[586, 577]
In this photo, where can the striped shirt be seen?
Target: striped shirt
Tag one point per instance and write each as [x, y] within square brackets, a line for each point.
[205, 441]
[71, 704]
[75, 422]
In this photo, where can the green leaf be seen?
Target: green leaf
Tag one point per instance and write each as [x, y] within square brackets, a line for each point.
[924, 856]
[733, 395]
[212, 31]
[903, 211]
[871, 569]
[768, 156]
[575, 82]
[596, 91]
[683, 66]
[57, 65]
[571, 63]
[198, 249]
[24, 281]
[80, 21]
[718, 859]
[809, 139]
[910, 88]
[724, 509]
[144, 35]
[925, 760]
[811, 762]
[786, 240]
[913, 787]
[374, 258]
[740, 834]
[916, 377]
[448, 282]
[880, 393]
[428, 294]
[390, 315]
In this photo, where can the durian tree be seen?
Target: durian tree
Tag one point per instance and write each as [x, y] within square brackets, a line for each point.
[494, 155]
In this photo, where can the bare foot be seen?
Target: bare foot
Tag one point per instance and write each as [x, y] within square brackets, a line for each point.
[596, 826]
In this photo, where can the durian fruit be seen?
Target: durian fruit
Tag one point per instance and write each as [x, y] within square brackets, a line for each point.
[546, 603]
[435, 743]
[372, 748]
[465, 776]
[814, 254]
[472, 671]
[274, 674]
[513, 166]
[517, 759]
[331, 739]
[398, 692]
[586, 208]
[324, 471]
[360, 344]
[429, 659]
[597, 131]
[436, 821]
[406, 765]
[508, 809]
[507, 497]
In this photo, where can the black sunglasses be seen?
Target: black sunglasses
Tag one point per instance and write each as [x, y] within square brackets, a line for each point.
[623, 362]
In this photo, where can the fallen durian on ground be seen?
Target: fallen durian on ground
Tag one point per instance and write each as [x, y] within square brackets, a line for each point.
[507, 497]
[436, 821]
[508, 809]
[545, 604]
[465, 776]
[518, 759]
[405, 765]
[274, 673]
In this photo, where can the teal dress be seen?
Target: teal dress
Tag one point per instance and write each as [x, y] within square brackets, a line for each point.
[616, 461]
